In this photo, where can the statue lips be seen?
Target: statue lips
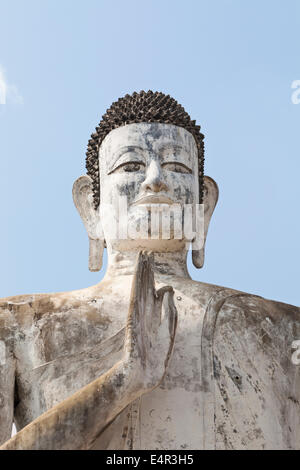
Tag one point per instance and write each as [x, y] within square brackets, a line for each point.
[153, 198]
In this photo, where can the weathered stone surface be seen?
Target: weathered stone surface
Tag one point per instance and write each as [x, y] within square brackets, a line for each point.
[145, 345]
[230, 382]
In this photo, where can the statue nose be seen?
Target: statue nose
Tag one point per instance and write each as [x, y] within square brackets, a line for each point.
[154, 179]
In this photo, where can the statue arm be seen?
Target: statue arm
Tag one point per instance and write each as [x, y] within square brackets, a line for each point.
[76, 422]
[79, 420]
[7, 375]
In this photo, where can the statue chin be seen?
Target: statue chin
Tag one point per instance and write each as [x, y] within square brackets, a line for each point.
[158, 245]
[141, 230]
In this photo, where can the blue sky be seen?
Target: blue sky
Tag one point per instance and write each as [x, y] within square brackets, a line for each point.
[230, 63]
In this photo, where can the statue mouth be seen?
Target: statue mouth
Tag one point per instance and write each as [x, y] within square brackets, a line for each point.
[153, 199]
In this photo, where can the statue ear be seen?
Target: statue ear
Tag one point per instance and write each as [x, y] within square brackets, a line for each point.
[83, 200]
[210, 199]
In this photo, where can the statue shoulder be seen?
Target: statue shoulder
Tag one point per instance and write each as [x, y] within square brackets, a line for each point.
[243, 312]
[230, 301]
[25, 309]
[263, 326]
[8, 323]
[256, 308]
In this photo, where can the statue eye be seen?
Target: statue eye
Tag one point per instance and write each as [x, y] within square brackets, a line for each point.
[132, 167]
[176, 167]
[129, 167]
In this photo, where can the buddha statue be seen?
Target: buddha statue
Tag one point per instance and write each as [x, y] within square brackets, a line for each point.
[148, 358]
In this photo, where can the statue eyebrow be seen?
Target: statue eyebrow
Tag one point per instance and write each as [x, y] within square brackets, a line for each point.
[123, 150]
[128, 148]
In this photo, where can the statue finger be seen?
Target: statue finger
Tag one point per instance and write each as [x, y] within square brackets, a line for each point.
[168, 324]
[141, 305]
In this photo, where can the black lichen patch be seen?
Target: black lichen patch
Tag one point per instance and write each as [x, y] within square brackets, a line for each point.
[294, 400]
[217, 367]
[119, 380]
[235, 377]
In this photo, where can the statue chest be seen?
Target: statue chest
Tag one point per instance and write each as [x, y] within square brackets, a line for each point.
[230, 382]
[65, 351]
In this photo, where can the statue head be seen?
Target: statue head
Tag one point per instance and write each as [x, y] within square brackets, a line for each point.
[147, 150]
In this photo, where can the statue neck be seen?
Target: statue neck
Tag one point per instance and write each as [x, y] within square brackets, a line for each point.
[169, 264]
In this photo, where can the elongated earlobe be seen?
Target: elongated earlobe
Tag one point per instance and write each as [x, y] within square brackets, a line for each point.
[210, 199]
[96, 248]
[83, 200]
[198, 258]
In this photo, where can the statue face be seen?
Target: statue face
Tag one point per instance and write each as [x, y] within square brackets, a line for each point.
[149, 164]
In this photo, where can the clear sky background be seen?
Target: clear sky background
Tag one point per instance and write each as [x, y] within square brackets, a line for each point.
[231, 64]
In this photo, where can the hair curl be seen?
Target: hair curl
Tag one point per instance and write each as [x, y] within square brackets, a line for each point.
[141, 107]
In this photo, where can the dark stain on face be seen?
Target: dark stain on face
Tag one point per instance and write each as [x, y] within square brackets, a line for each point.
[177, 192]
[155, 132]
[189, 194]
[127, 189]
[183, 194]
